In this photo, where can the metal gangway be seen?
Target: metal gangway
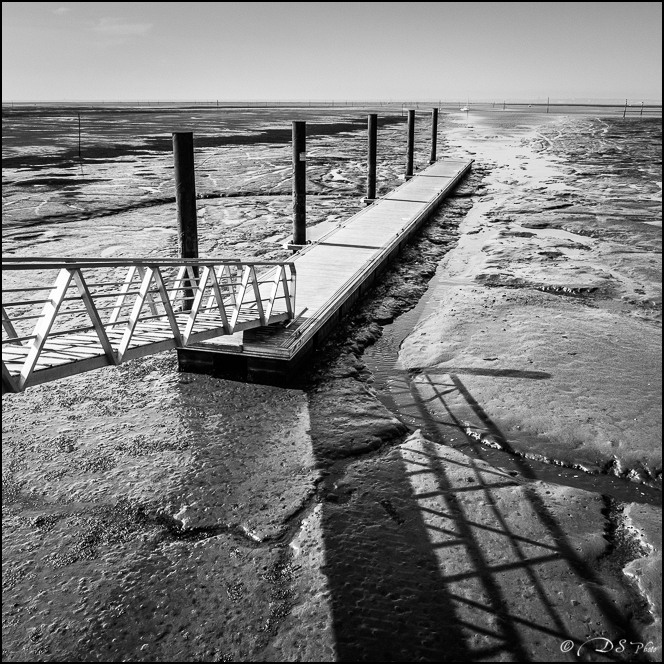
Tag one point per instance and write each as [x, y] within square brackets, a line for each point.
[62, 316]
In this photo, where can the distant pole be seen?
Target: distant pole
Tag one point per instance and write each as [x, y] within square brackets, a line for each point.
[434, 134]
[503, 106]
[411, 143]
[79, 137]
[372, 129]
[641, 113]
[185, 203]
[299, 182]
[625, 109]
[547, 104]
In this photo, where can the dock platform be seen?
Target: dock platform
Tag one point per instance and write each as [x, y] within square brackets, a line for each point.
[332, 273]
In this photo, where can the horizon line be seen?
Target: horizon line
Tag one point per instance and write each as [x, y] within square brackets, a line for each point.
[612, 101]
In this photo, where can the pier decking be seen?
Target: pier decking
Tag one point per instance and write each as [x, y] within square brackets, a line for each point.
[332, 273]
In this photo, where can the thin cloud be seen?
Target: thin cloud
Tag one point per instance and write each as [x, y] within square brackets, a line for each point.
[115, 27]
[62, 10]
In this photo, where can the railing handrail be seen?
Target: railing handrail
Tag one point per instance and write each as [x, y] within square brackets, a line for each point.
[45, 262]
[193, 299]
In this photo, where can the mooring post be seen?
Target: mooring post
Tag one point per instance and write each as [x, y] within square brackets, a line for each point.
[411, 143]
[185, 203]
[547, 104]
[299, 182]
[641, 113]
[625, 110]
[372, 129]
[503, 106]
[434, 134]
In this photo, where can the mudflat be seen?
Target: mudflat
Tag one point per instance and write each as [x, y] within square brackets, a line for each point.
[153, 515]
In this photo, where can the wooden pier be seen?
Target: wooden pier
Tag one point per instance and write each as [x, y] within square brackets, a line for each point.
[332, 273]
[233, 319]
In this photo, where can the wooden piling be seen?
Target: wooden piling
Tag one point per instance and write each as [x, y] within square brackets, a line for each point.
[625, 109]
[372, 130]
[299, 182]
[641, 113]
[434, 134]
[411, 143]
[185, 203]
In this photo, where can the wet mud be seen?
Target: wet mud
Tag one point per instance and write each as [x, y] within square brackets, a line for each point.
[154, 515]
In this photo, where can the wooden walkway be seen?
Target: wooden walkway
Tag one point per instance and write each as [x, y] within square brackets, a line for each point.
[331, 274]
[236, 319]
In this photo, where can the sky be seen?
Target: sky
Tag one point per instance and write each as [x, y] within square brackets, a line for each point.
[125, 51]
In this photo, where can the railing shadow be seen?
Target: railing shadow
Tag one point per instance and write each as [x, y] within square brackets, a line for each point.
[388, 600]
[432, 556]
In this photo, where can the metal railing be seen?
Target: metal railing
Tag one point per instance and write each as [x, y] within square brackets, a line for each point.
[66, 316]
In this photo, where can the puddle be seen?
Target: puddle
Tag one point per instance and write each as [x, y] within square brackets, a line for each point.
[393, 387]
